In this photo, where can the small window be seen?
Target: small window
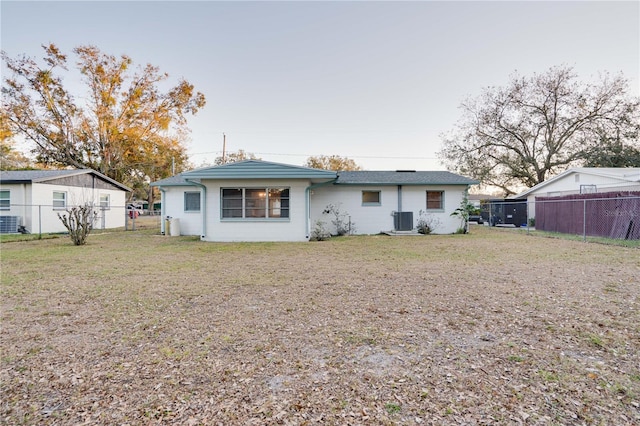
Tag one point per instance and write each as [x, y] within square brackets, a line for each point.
[105, 202]
[192, 201]
[59, 200]
[5, 199]
[371, 198]
[435, 200]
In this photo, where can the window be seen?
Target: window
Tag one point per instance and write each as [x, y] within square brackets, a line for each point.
[192, 201]
[370, 198]
[5, 199]
[255, 203]
[105, 203]
[435, 200]
[59, 200]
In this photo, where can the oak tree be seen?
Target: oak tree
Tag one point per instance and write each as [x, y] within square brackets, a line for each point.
[234, 157]
[124, 125]
[520, 134]
[332, 162]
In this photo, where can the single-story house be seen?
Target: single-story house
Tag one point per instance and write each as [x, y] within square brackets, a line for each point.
[256, 200]
[30, 200]
[583, 180]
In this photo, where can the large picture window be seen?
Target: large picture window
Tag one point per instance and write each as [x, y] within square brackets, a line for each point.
[435, 200]
[255, 203]
[192, 201]
[5, 199]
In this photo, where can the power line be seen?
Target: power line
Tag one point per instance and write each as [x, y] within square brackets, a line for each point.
[317, 155]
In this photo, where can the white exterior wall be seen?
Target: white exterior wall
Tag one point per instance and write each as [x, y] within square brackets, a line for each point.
[217, 229]
[373, 219]
[34, 203]
[173, 204]
[291, 229]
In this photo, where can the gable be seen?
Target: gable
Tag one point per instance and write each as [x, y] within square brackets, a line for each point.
[85, 180]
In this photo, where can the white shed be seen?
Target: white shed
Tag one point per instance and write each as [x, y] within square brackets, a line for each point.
[30, 200]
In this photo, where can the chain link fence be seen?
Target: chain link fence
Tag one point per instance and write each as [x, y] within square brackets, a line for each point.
[43, 218]
[611, 215]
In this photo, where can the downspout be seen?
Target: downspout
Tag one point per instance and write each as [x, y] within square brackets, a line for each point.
[399, 198]
[203, 204]
[307, 206]
[162, 210]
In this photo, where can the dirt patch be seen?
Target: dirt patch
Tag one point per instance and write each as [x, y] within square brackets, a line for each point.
[495, 327]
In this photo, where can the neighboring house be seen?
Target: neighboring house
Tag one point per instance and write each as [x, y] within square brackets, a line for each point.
[584, 180]
[257, 200]
[32, 199]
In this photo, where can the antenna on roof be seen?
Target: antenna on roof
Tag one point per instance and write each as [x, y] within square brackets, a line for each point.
[224, 146]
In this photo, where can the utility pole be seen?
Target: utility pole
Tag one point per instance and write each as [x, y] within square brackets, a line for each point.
[224, 147]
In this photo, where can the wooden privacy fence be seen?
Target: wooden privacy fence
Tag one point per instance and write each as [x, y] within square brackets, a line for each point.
[609, 214]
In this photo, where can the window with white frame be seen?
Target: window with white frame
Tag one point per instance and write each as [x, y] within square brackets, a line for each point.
[435, 200]
[370, 198]
[255, 203]
[192, 201]
[5, 199]
[59, 200]
[105, 202]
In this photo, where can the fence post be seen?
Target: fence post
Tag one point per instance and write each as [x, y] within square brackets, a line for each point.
[584, 220]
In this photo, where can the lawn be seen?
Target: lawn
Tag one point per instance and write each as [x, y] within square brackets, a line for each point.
[494, 327]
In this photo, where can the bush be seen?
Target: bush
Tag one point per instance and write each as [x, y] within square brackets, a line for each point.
[341, 220]
[319, 232]
[426, 223]
[79, 222]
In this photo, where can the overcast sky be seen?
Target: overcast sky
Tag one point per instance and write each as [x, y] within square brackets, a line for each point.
[378, 82]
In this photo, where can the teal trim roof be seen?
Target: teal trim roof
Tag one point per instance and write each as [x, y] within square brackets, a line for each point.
[257, 169]
[402, 177]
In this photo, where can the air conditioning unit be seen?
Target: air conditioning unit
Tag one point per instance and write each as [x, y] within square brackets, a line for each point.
[403, 221]
[9, 224]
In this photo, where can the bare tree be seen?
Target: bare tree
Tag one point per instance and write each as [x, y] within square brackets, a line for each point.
[79, 222]
[520, 134]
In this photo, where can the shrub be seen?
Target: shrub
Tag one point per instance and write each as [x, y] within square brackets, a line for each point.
[426, 224]
[79, 222]
[319, 232]
[341, 220]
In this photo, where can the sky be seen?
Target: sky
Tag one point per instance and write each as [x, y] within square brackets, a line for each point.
[377, 82]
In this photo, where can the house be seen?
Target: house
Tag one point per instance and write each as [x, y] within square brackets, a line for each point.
[584, 180]
[30, 200]
[256, 200]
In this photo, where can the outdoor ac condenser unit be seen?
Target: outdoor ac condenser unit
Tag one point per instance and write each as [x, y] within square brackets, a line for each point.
[9, 224]
[403, 221]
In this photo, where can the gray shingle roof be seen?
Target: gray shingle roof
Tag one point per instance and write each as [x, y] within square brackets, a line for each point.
[34, 175]
[402, 178]
[176, 180]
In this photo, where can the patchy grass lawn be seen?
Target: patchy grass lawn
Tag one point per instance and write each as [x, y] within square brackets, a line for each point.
[495, 327]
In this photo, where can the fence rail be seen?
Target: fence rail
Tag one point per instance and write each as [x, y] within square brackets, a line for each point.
[43, 218]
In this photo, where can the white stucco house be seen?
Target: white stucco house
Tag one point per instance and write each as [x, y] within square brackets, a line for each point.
[30, 200]
[583, 180]
[256, 200]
